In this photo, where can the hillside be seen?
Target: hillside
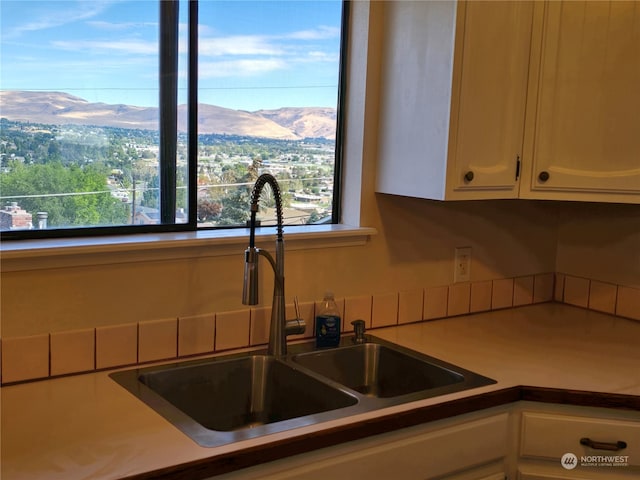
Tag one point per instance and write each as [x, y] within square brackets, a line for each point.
[305, 122]
[62, 108]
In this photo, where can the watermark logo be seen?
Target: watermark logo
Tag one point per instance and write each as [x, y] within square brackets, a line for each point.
[569, 461]
[604, 461]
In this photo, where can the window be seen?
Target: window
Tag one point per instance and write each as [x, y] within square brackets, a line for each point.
[123, 117]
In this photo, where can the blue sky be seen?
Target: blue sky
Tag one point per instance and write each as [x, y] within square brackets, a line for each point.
[253, 54]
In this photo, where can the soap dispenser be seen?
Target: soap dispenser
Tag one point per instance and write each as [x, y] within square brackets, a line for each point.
[328, 323]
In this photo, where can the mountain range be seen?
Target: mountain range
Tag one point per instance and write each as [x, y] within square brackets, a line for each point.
[59, 108]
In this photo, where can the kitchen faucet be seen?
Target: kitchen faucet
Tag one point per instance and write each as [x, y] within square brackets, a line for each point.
[279, 328]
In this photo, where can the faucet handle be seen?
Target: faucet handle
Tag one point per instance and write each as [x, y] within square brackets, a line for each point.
[359, 329]
[296, 306]
[297, 325]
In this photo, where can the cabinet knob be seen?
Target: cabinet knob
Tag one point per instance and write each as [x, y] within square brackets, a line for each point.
[468, 176]
[543, 176]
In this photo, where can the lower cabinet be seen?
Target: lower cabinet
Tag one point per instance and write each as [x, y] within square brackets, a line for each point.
[570, 443]
[520, 441]
[468, 447]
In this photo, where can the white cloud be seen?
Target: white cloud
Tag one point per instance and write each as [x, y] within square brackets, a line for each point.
[318, 56]
[129, 47]
[268, 45]
[56, 16]
[237, 45]
[255, 55]
[111, 26]
[239, 68]
[320, 33]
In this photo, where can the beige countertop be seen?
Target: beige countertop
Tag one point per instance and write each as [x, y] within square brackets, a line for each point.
[88, 426]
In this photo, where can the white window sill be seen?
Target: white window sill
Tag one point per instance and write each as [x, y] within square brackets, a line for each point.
[85, 251]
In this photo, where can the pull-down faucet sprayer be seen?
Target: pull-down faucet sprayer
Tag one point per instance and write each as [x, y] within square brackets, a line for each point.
[280, 327]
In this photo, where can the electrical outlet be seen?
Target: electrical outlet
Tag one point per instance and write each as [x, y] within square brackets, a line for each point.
[462, 265]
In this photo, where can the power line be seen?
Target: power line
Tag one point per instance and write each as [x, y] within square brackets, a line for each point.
[41, 195]
[219, 185]
[153, 89]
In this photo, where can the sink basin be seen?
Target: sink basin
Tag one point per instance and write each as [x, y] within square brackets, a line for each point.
[378, 371]
[244, 392]
[230, 398]
[227, 399]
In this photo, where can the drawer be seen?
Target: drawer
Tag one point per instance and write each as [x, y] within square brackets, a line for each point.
[551, 436]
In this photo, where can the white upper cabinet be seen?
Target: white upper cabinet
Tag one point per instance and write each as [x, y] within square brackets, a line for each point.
[491, 64]
[453, 91]
[486, 100]
[583, 134]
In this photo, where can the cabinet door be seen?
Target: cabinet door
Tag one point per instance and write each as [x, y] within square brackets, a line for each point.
[416, 453]
[490, 78]
[415, 97]
[453, 88]
[586, 109]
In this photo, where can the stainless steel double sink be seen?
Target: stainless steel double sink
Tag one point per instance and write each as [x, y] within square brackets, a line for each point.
[229, 398]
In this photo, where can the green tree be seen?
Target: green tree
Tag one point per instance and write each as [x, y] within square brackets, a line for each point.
[208, 210]
[151, 196]
[314, 217]
[235, 207]
[66, 193]
[236, 203]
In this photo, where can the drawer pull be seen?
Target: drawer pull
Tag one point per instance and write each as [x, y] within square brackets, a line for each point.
[611, 446]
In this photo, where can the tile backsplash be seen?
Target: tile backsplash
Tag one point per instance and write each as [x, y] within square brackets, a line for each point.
[25, 358]
[232, 330]
[72, 351]
[116, 345]
[196, 334]
[157, 340]
[79, 351]
[604, 297]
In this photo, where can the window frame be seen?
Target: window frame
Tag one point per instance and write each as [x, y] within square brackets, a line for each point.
[168, 74]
